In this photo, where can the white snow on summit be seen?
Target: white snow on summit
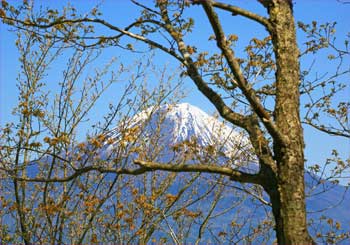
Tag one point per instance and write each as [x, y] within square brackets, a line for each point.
[182, 122]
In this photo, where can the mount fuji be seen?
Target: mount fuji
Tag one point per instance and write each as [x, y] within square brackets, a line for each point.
[205, 206]
[172, 125]
[181, 122]
[169, 126]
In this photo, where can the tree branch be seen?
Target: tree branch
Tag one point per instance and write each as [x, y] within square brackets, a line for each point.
[239, 11]
[234, 175]
[145, 166]
[192, 71]
[324, 129]
[124, 31]
[249, 123]
[242, 83]
[78, 173]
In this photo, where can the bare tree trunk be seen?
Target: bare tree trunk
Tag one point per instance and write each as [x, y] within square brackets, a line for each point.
[288, 210]
[288, 195]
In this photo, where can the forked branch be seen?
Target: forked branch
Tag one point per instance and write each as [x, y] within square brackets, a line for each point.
[243, 12]
[242, 82]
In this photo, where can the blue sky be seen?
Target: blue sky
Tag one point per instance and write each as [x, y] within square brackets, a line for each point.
[318, 146]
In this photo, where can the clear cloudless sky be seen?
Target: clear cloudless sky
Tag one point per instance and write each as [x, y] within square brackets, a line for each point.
[121, 12]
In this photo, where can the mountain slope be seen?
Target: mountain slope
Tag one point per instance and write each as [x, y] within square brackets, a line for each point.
[208, 206]
[175, 124]
[178, 123]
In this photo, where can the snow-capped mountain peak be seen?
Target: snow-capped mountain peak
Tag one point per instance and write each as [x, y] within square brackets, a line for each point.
[177, 123]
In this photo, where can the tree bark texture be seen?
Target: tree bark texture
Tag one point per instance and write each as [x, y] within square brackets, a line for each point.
[287, 193]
